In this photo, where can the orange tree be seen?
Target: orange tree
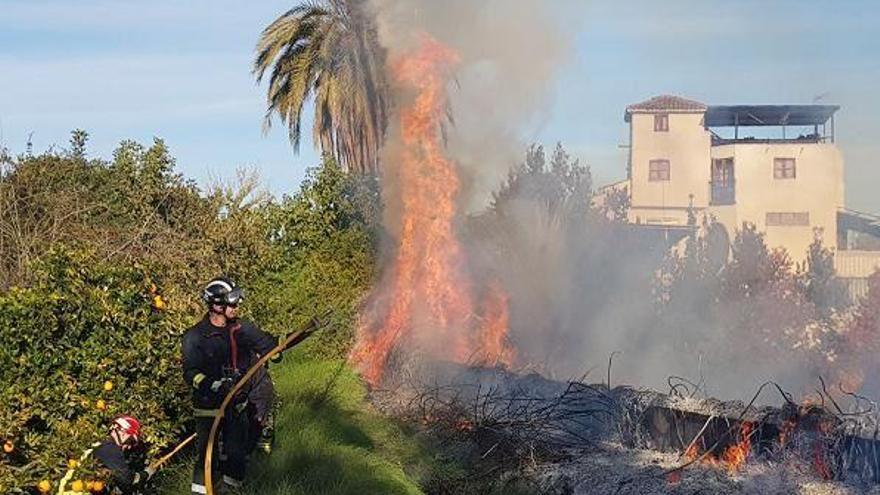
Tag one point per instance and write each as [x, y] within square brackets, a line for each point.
[83, 242]
[85, 342]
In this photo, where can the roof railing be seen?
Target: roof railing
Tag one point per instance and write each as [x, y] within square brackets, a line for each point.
[808, 138]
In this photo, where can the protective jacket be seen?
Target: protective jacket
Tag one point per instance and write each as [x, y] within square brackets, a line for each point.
[212, 353]
[117, 464]
[126, 479]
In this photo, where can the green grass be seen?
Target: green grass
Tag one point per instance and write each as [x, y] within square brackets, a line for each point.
[328, 440]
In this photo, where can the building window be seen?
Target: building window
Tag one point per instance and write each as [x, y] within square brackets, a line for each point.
[722, 172]
[658, 170]
[783, 168]
[661, 122]
[723, 189]
[788, 218]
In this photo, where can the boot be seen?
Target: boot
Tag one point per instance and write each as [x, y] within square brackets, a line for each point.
[267, 439]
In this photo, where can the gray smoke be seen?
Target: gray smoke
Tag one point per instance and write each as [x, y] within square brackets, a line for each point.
[511, 52]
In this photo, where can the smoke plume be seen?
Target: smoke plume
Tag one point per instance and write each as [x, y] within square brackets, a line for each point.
[510, 54]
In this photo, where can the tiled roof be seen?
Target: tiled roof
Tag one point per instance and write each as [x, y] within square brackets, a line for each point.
[667, 102]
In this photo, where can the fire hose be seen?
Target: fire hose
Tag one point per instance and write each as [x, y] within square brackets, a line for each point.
[292, 340]
[155, 465]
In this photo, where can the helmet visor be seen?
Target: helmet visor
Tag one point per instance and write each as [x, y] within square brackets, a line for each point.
[234, 297]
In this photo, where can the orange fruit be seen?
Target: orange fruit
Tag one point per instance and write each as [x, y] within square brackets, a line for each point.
[77, 486]
[90, 485]
[44, 486]
[100, 405]
[72, 464]
[8, 447]
[98, 486]
[158, 302]
[108, 386]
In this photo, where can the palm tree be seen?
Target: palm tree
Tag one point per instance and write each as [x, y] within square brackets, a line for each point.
[328, 50]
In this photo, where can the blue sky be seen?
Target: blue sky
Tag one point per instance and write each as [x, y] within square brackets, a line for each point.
[180, 70]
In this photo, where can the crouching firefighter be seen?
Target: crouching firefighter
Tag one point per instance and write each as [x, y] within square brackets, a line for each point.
[216, 353]
[121, 458]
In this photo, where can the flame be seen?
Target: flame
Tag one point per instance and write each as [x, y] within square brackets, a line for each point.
[495, 349]
[820, 452]
[692, 452]
[428, 298]
[733, 456]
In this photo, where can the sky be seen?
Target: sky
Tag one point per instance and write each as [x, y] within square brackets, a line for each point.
[180, 70]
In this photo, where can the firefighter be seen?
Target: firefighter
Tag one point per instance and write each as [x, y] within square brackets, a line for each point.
[121, 458]
[216, 353]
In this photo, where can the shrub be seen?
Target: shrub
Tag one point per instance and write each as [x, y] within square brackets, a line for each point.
[327, 234]
[84, 322]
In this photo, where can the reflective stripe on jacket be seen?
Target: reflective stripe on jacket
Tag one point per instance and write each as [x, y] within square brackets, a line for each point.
[69, 474]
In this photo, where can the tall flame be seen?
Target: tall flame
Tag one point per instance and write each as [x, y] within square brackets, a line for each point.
[428, 298]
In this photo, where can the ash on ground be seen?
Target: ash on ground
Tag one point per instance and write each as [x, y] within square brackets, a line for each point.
[610, 468]
[577, 438]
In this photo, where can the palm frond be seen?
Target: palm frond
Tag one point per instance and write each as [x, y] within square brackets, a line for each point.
[327, 51]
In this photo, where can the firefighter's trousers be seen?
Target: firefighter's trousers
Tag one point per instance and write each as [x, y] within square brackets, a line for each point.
[229, 463]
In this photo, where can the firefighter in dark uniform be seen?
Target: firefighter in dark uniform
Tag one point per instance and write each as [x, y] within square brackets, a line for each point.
[123, 455]
[121, 458]
[216, 353]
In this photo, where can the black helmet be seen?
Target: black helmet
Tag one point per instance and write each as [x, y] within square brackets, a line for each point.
[223, 292]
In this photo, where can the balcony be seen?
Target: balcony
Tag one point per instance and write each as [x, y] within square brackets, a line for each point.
[722, 193]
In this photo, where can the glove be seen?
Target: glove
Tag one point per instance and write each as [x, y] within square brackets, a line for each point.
[221, 386]
[144, 476]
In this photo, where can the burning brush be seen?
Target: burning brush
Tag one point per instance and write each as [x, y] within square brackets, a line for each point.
[427, 298]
